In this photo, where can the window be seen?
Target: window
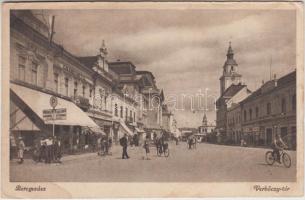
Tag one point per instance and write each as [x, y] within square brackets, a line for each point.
[21, 68]
[134, 116]
[90, 92]
[67, 86]
[121, 111]
[250, 114]
[56, 82]
[294, 102]
[84, 90]
[126, 113]
[245, 115]
[283, 105]
[256, 112]
[130, 114]
[268, 108]
[116, 109]
[101, 91]
[34, 73]
[75, 89]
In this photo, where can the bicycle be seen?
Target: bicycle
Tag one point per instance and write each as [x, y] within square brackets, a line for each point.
[164, 150]
[271, 157]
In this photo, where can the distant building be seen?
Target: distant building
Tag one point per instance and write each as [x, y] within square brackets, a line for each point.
[206, 128]
[271, 109]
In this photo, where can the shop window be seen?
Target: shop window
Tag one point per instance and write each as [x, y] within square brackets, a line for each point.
[283, 105]
[21, 68]
[268, 108]
[34, 73]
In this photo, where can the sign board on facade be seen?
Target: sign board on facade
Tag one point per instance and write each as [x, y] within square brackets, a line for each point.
[53, 102]
[55, 114]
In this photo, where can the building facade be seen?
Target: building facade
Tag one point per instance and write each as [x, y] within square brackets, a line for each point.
[269, 110]
[39, 69]
[97, 97]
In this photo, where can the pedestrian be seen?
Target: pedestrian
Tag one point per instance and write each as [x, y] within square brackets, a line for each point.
[49, 156]
[109, 145]
[103, 146]
[21, 147]
[146, 147]
[57, 150]
[124, 144]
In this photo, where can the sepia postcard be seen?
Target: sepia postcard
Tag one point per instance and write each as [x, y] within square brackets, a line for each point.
[152, 99]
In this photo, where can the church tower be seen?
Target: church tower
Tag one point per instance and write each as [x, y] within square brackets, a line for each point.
[230, 72]
[204, 120]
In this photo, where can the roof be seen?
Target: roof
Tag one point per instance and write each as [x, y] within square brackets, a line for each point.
[122, 67]
[88, 61]
[291, 77]
[232, 90]
[146, 72]
[230, 61]
[283, 81]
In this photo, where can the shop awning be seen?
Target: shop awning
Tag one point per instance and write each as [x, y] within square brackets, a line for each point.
[97, 130]
[39, 101]
[125, 128]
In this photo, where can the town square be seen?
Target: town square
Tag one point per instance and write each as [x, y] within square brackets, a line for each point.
[152, 96]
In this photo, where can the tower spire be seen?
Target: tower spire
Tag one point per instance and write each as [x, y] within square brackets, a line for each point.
[230, 52]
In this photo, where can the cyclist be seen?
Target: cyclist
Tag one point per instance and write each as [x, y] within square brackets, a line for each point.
[277, 145]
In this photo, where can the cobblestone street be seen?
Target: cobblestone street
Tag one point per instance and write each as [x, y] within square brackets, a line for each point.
[208, 162]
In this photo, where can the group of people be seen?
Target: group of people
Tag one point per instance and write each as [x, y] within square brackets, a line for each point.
[158, 141]
[48, 150]
[191, 141]
[104, 145]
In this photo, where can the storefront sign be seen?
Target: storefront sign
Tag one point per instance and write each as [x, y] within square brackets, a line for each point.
[55, 114]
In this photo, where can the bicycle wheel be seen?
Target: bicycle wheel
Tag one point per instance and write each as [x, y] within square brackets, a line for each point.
[269, 158]
[166, 152]
[286, 160]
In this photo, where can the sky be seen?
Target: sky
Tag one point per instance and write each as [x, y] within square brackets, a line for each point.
[185, 49]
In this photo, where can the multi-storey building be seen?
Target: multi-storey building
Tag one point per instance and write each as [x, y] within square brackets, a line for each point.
[39, 69]
[269, 110]
[155, 98]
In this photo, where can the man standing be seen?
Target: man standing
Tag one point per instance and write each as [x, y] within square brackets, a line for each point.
[21, 147]
[124, 144]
